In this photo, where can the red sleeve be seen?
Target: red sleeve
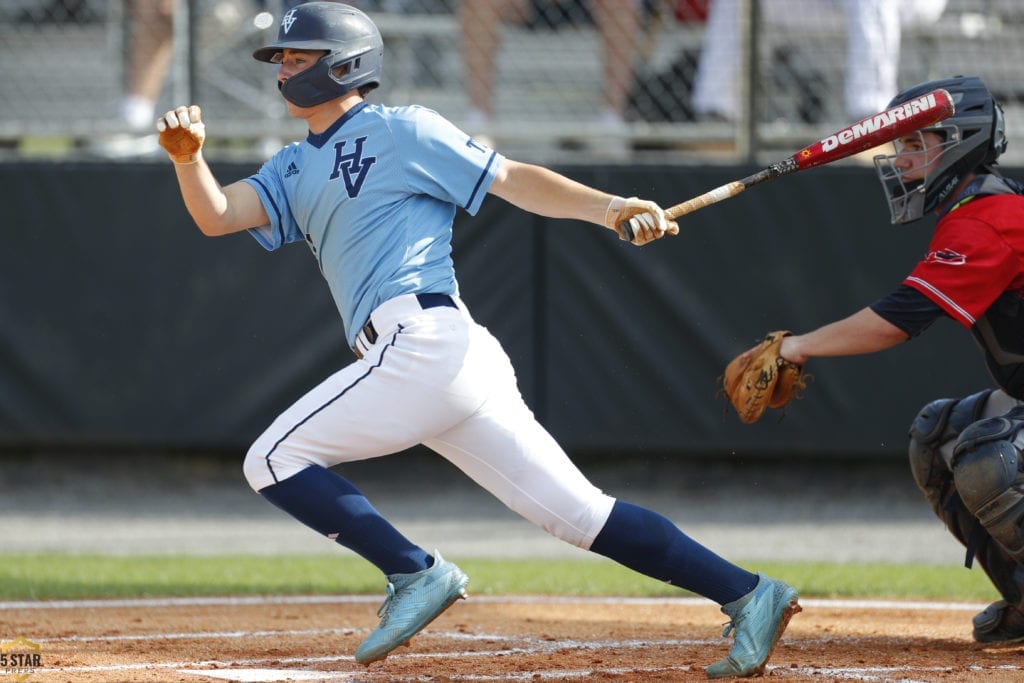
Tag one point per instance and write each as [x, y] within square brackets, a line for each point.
[967, 267]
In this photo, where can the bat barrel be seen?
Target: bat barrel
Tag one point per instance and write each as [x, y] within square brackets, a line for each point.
[877, 129]
[869, 132]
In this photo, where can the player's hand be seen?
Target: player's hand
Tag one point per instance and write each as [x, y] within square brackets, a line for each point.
[786, 352]
[638, 221]
[182, 133]
[790, 350]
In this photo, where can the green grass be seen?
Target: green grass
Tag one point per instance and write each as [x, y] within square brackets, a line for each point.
[51, 576]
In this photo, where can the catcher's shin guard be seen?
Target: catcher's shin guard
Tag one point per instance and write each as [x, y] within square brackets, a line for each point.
[999, 623]
[987, 471]
[933, 431]
[938, 424]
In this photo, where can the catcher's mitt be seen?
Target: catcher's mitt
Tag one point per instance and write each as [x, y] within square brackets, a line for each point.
[761, 378]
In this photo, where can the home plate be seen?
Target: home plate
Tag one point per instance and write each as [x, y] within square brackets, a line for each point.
[261, 675]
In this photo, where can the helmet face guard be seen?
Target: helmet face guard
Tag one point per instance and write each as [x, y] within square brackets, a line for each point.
[353, 45]
[972, 139]
[905, 194]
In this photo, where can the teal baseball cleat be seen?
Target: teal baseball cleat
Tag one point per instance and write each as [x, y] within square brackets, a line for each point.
[413, 601]
[758, 620]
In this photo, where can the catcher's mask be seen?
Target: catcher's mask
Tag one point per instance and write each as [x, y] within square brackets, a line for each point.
[355, 51]
[971, 139]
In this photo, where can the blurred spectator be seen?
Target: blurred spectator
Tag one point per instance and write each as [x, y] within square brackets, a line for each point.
[666, 94]
[873, 30]
[150, 45]
[687, 11]
[617, 20]
[149, 48]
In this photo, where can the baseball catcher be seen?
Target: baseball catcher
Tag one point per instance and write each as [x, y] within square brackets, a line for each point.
[760, 378]
[966, 454]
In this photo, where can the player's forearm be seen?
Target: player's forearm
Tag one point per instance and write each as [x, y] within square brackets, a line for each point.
[863, 332]
[546, 193]
[204, 198]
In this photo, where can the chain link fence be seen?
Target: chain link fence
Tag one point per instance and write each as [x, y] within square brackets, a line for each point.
[681, 81]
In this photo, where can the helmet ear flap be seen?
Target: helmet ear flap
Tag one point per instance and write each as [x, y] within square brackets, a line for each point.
[999, 141]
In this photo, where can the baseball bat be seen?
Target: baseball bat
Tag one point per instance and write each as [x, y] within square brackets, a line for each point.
[871, 131]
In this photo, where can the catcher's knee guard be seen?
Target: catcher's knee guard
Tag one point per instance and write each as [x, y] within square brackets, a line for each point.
[938, 424]
[987, 471]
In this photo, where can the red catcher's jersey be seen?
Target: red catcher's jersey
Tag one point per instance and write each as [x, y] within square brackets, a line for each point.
[976, 254]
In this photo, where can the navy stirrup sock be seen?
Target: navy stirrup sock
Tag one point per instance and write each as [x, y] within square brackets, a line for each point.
[331, 505]
[649, 543]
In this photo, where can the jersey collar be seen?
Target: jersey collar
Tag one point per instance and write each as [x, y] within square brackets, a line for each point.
[318, 140]
[984, 185]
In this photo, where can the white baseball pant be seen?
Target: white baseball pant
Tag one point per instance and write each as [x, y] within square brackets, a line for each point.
[435, 377]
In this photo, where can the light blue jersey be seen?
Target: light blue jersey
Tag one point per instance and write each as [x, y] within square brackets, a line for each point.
[374, 198]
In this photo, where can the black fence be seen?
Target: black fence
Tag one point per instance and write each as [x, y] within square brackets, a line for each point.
[122, 326]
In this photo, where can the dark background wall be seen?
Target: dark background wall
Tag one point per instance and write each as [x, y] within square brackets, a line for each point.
[122, 326]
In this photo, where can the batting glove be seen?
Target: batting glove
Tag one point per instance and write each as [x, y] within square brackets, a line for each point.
[638, 221]
[182, 133]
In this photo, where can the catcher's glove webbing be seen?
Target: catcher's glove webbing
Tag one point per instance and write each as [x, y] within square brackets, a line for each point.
[761, 379]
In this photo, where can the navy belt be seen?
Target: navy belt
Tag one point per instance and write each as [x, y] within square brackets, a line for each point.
[428, 300]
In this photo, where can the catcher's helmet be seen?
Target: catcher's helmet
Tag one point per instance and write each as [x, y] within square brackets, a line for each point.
[973, 138]
[355, 51]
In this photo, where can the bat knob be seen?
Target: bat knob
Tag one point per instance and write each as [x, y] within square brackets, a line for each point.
[626, 233]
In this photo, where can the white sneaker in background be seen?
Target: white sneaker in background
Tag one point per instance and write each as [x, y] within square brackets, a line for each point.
[138, 112]
[614, 142]
[137, 138]
[125, 146]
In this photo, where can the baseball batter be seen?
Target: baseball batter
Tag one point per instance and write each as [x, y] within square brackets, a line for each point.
[372, 192]
[965, 454]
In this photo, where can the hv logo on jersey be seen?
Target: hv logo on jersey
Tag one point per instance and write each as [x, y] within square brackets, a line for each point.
[352, 167]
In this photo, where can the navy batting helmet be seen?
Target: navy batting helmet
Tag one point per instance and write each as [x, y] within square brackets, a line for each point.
[355, 51]
[973, 138]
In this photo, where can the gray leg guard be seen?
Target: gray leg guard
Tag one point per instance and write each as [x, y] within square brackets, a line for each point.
[999, 623]
[935, 429]
[938, 424]
[987, 471]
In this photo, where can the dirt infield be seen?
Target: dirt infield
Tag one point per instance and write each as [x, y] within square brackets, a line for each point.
[485, 639]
